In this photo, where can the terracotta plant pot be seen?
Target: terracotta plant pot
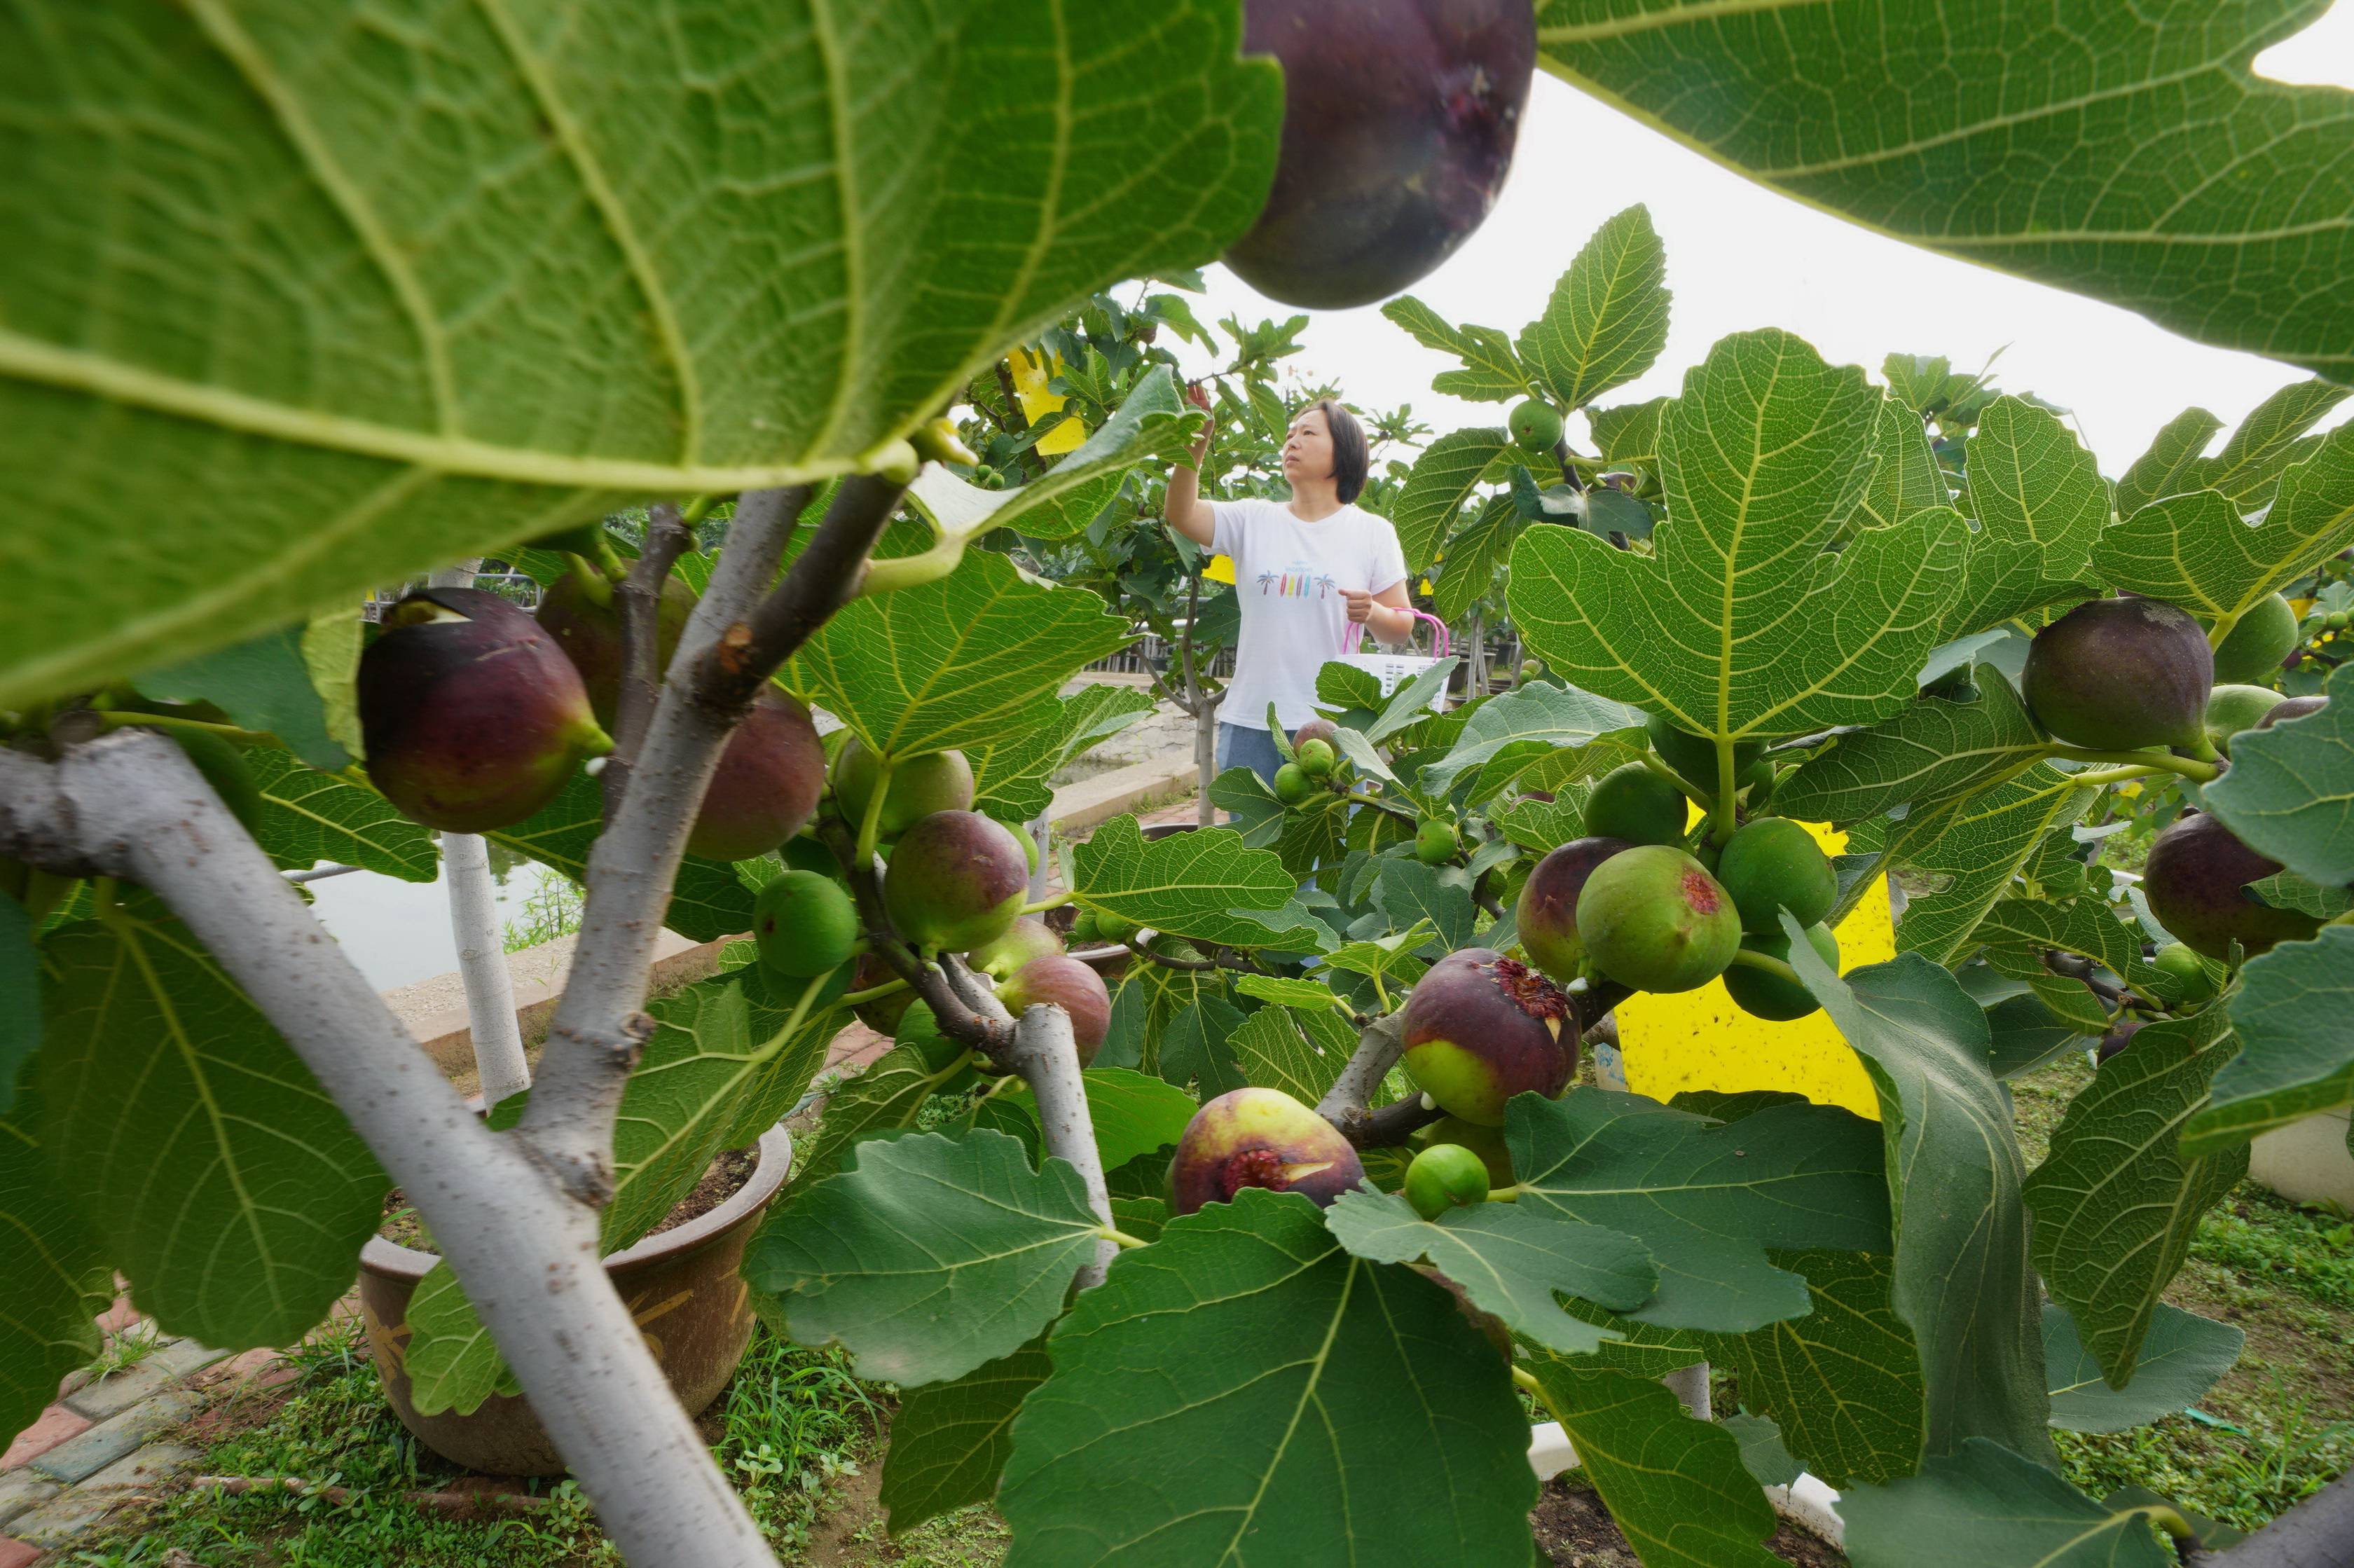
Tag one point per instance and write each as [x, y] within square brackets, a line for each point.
[681, 1287]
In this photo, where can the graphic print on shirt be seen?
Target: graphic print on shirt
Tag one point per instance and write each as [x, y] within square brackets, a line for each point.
[1300, 581]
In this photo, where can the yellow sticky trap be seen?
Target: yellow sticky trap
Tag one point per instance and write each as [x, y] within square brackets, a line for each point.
[1220, 569]
[1030, 378]
[1700, 1040]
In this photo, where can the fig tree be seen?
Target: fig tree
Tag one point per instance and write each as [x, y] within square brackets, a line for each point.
[1292, 785]
[1693, 756]
[2121, 674]
[2258, 640]
[1547, 911]
[1026, 939]
[1316, 758]
[2231, 709]
[1435, 842]
[2179, 959]
[1070, 985]
[2294, 708]
[1398, 123]
[956, 881]
[765, 786]
[1487, 1142]
[471, 716]
[586, 624]
[1654, 919]
[1535, 425]
[1480, 1028]
[1634, 804]
[2197, 884]
[1260, 1138]
[1445, 1176]
[805, 925]
[920, 785]
[1771, 865]
[1763, 994]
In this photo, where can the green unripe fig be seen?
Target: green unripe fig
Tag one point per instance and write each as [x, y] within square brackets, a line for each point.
[1771, 865]
[2233, 708]
[2258, 641]
[766, 785]
[1029, 845]
[1634, 804]
[934, 781]
[1260, 1138]
[2121, 674]
[1535, 425]
[2179, 959]
[1086, 931]
[1292, 784]
[805, 925]
[1763, 995]
[1027, 939]
[1316, 758]
[224, 769]
[1693, 756]
[1445, 1176]
[1758, 782]
[956, 881]
[802, 852]
[586, 624]
[1654, 919]
[1546, 914]
[2336, 620]
[1487, 1142]
[1112, 928]
[1480, 1028]
[1530, 669]
[1435, 842]
[470, 716]
[2197, 883]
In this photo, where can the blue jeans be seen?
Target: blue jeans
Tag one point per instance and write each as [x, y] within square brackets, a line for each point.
[1240, 745]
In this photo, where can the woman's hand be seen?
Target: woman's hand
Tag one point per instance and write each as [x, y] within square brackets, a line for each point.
[1362, 608]
[1200, 399]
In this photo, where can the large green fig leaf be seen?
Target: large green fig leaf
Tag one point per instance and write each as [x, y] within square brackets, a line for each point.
[1491, 372]
[972, 658]
[1743, 622]
[927, 1255]
[2018, 932]
[1676, 1486]
[1969, 851]
[1254, 1396]
[215, 1171]
[1442, 482]
[2196, 550]
[1132, 1114]
[707, 901]
[54, 1276]
[265, 684]
[2127, 152]
[2248, 468]
[2293, 1012]
[1276, 1048]
[1908, 480]
[2182, 1357]
[883, 1099]
[1607, 318]
[1963, 1284]
[1985, 1507]
[2041, 503]
[1706, 1199]
[1509, 1259]
[1010, 776]
[308, 816]
[1922, 756]
[2115, 1203]
[949, 1441]
[450, 1361]
[2290, 792]
[1527, 724]
[1192, 884]
[720, 253]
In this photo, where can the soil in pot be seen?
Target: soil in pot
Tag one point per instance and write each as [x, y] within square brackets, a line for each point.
[720, 1181]
[1575, 1530]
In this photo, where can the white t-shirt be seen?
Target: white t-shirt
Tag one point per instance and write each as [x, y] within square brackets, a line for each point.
[1288, 574]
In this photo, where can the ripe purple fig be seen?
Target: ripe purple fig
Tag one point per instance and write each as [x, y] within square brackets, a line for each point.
[1480, 1028]
[1547, 911]
[472, 718]
[586, 624]
[1069, 985]
[1026, 939]
[766, 785]
[1398, 123]
[2117, 1039]
[2197, 883]
[1260, 1138]
[2121, 674]
[956, 881]
[1321, 729]
[2294, 708]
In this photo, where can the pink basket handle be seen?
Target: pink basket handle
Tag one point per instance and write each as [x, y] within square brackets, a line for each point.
[1439, 637]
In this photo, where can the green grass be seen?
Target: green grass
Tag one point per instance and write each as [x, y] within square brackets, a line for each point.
[2284, 1454]
[124, 1352]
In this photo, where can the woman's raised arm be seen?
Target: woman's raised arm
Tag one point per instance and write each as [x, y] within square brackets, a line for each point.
[1184, 509]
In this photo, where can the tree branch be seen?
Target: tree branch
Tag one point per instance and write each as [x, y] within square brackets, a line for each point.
[1046, 1056]
[824, 577]
[131, 805]
[637, 599]
[1379, 1046]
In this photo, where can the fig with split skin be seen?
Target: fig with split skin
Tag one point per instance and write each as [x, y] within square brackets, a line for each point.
[766, 785]
[920, 785]
[2258, 641]
[1070, 985]
[586, 621]
[2121, 674]
[1398, 123]
[471, 715]
[1653, 918]
[956, 882]
[2197, 882]
[1260, 1138]
[1546, 914]
[1480, 1028]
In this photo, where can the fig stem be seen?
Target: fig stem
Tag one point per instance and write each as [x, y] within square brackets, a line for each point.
[1772, 966]
[2164, 761]
[695, 511]
[1044, 905]
[165, 721]
[870, 821]
[1724, 810]
[1121, 1239]
[856, 997]
[2113, 775]
[1691, 791]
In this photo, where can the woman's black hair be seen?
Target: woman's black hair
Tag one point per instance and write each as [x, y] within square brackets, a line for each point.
[1350, 458]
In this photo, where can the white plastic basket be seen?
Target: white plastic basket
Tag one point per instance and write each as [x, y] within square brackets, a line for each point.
[1394, 670]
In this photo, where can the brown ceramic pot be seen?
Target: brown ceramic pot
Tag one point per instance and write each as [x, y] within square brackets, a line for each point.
[681, 1287]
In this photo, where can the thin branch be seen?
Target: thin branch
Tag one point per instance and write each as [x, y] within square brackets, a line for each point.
[1379, 1046]
[930, 982]
[637, 599]
[131, 805]
[825, 577]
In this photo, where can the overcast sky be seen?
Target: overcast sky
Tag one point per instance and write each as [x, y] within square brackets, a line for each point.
[1740, 257]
